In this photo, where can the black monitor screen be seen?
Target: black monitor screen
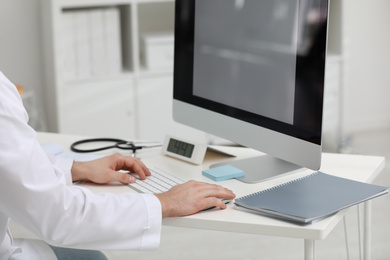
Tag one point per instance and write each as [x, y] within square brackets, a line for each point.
[260, 61]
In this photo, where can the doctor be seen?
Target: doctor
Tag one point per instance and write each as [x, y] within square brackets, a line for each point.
[36, 191]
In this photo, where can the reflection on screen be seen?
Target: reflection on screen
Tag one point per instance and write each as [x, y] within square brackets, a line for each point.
[244, 47]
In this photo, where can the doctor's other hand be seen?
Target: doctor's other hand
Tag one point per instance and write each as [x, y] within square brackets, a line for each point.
[191, 197]
[106, 169]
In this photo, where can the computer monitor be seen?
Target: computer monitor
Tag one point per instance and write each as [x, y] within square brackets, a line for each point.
[252, 72]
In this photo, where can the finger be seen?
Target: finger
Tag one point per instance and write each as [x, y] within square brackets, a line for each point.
[212, 190]
[142, 172]
[214, 187]
[227, 194]
[134, 165]
[144, 168]
[125, 178]
[215, 202]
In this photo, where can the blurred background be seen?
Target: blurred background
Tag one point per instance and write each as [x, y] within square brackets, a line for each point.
[123, 89]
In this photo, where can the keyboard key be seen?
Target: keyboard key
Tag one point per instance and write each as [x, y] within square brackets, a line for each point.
[139, 188]
[158, 182]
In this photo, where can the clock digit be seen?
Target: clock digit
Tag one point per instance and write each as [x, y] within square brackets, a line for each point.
[176, 145]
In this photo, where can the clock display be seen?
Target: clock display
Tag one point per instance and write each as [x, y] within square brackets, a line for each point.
[180, 148]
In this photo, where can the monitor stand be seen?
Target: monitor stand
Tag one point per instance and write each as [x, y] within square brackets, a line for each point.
[261, 168]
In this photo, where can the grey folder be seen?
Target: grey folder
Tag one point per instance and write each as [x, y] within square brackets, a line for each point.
[310, 198]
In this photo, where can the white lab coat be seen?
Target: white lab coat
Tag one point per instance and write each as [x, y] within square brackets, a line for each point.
[36, 192]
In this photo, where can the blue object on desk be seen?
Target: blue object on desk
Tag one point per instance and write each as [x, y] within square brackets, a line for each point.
[223, 173]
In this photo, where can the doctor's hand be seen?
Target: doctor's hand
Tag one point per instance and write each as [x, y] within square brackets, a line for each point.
[191, 197]
[108, 168]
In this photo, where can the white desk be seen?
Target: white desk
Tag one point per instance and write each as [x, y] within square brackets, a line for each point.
[356, 167]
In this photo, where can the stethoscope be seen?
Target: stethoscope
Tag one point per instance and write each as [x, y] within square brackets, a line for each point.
[117, 143]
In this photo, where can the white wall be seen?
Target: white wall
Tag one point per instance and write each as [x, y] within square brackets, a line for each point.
[20, 45]
[367, 92]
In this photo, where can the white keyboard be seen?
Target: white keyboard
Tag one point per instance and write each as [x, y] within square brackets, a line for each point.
[158, 182]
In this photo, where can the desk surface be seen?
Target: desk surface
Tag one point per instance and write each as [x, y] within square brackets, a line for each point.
[356, 167]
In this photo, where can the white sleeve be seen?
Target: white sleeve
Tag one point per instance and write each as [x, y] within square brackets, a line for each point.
[64, 165]
[34, 193]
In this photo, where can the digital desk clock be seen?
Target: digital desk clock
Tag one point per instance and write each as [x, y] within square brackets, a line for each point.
[183, 149]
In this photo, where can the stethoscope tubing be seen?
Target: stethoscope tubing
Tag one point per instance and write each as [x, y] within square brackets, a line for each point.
[118, 143]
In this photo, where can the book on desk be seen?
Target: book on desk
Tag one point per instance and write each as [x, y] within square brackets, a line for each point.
[309, 198]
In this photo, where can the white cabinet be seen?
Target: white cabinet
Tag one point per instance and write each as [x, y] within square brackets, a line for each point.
[97, 81]
[102, 108]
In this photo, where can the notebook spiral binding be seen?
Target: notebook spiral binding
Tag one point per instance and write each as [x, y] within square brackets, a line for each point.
[278, 186]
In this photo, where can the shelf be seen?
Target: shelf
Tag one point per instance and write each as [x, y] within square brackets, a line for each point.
[102, 78]
[73, 64]
[146, 73]
[71, 4]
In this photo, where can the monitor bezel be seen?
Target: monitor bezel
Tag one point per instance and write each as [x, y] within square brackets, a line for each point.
[183, 98]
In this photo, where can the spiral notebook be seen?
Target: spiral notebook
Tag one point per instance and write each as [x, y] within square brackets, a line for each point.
[309, 198]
